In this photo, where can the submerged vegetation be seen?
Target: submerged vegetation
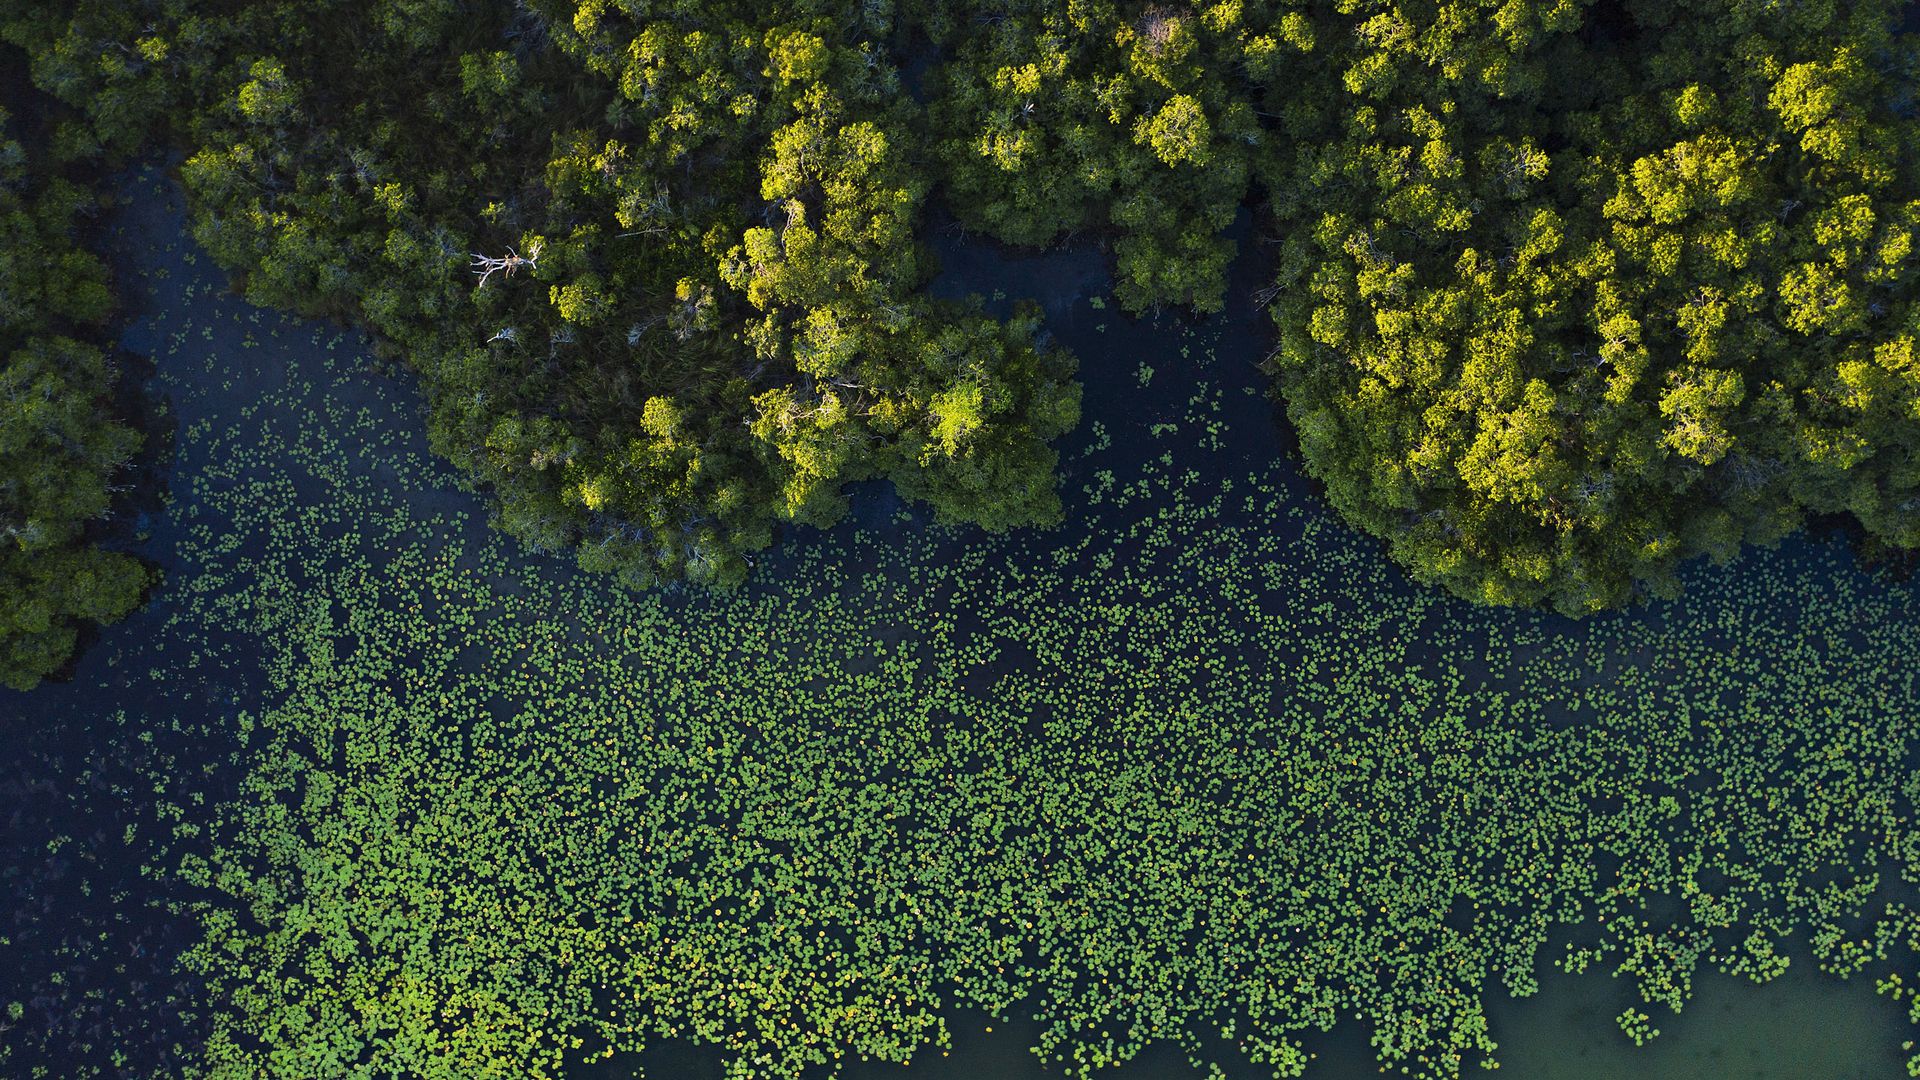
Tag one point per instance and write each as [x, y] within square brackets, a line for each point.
[1567, 293]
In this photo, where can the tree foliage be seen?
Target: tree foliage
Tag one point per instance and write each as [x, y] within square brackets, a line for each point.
[1567, 292]
[656, 267]
[1571, 293]
[60, 441]
[1139, 120]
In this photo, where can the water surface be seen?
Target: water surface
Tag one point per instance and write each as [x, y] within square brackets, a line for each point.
[1157, 390]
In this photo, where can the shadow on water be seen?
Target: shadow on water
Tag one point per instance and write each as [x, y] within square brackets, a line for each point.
[89, 941]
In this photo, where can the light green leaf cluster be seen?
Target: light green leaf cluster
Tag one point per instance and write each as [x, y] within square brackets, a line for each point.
[1203, 764]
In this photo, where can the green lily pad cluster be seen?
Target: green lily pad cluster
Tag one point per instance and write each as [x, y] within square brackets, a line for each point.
[1207, 771]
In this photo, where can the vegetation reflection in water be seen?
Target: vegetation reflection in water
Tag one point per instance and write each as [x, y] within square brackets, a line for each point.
[1199, 770]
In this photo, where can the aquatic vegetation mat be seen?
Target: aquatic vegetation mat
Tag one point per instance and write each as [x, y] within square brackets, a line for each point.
[1204, 770]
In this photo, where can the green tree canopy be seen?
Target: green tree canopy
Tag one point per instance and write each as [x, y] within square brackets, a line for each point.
[60, 442]
[1567, 291]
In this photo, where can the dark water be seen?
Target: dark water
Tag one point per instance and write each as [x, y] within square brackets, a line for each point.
[1800, 1026]
[1137, 374]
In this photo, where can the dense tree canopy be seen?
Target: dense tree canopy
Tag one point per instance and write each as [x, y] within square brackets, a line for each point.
[1139, 118]
[1570, 293]
[60, 441]
[1567, 292]
[655, 265]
